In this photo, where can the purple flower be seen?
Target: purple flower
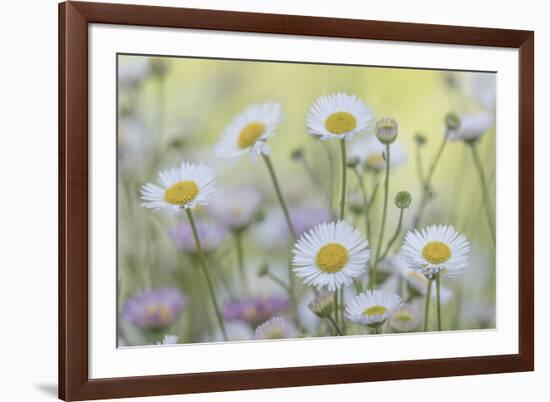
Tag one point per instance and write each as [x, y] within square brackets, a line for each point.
[254, 310]
[154, 309]
[211, 236]
[305, 218]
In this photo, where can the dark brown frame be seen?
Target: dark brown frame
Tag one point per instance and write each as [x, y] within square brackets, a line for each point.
[74, 17]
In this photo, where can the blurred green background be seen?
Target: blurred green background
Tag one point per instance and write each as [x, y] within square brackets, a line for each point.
[174, 109]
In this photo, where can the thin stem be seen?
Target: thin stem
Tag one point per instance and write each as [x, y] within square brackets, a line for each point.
[202, 261]
[427, 306]
[438, 296]
[331, 175]
[336, 310]
[419, 167]
[278, 281]
[344, 172]
[314, 178]
[240, 257]
[336, 327]
[394, 237]
[427, 183]
[279, 194]
[365, 200]
[383, 224]
[342, 320]
[376, 330]
[485, 192]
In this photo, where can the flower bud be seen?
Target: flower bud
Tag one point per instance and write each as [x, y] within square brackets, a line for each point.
[452, 121]
[420, 139]
[159, 67]
[263, 270]
[403, 199]
[322, 304]
[352, 162]
[297, 154]
[386, 130]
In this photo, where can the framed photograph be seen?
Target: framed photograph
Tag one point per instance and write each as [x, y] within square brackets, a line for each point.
[260, 200]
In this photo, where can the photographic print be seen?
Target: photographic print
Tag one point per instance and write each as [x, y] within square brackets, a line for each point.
[262, 200]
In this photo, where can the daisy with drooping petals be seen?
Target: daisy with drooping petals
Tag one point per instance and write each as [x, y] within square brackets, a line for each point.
[372, 308]
[276, 328]
[330, 255]
[182, 188]
[339, 116]
[404, 319]
[436, 249]
[248, 132]
[472, 126]
[370, 153]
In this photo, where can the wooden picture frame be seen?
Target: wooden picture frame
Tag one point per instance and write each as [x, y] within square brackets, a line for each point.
[74, 381]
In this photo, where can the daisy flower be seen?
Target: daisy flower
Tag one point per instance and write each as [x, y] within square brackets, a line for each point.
[182, 188]
[248, 132]
[235, 207]
[372, 308]
[370, 153]
[330, 255]
[436, 249]
[404, 319]
[339, 116]
[276, 328]
[472, 126]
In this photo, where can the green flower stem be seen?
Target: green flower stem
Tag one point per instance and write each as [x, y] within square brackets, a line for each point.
[394, 237]
[202, 261]
[331, 175]
[372, 282]
[278, 281]
[314, 178]
[484, 189]
[419, 168]
[427, 183]
[438, 294]
[279, 195]
[363, 190]
[427, 306]
[344, 170]
[336, 309]
[342, 320]
[376, 330]
[240, 257]
[336, 327]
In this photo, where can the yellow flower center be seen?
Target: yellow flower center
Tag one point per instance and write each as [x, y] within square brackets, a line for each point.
[250, 134]
[332, 257]
[250, 313]
[436, 252]
[159, 310]
[375, 160]
[340, 122]
[402, 317]
[181, 193]
[375, 310]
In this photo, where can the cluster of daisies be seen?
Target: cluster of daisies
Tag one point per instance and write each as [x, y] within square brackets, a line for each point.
[331, 255]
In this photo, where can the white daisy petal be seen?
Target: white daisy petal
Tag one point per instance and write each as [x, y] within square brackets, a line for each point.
[436, 249]
[339, 116]
[330, 255]
[248, 132]
[184, 187]
[372, 308]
